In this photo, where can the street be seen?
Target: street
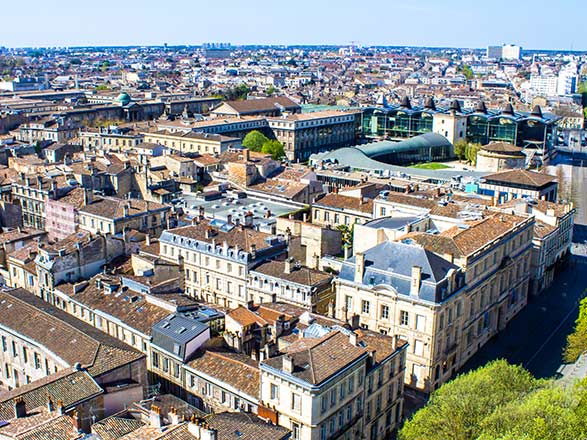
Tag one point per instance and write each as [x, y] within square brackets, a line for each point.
[536, 337]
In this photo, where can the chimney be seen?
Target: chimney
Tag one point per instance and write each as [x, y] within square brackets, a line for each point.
[201, 213]
[148, 240]
[288, 363]
[348, 251]
[60, 407]
[287, 267]
[416, 280]
[249, 219]
[50, 406]
[316, 261]
[359, 267]
[88, 196]
[246, 155]
[353, 339]
[155, 417]
[229, 219]
[173, 416]
[305, 217]
[19, 407]
[355, 321]
[126, 209]
[268, 214]
[331, 309]
[76, 421]
[253, 251]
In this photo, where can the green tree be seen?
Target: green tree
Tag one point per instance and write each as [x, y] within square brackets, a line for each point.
[550, 413]
[577, 341]
[254, 140]
[347, 233]
[274, 148]
[467, 71]
[459, 149]
[457, 409]
[270, 90]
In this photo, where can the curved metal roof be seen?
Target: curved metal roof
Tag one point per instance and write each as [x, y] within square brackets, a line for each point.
[427, 140]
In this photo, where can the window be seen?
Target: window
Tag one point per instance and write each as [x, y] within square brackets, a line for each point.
[295, 430]
[418, 348]
[384, 312]
[332, 397]
[365, 305]
[404, 318]
[351, 384]
[323, 404]
[420, 323]
[342, 391]
[274, 392]
[296, 402]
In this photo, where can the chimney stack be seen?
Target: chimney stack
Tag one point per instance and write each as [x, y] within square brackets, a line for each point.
[288, 364]
[331, 309]
[359, 267]
[287, 267]
[60, 408]
[155, 417]
[416, 280]
[353, 339]
[50, 406]
[76, 421]
[88, 196]
[173, 416]
[126, 209]
[253, 251]
[19, 407]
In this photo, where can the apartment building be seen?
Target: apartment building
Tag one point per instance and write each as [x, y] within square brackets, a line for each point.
[47, 129]
[515, 184]
[50, 341]
[31, 194]
[217, 259]
[109, 138]
[552, 239]
[290, 282]
[335, 383]
[111, 215]
[341, 210]
[397, 289]
[78, 257]
[304, 134]
[192, 142]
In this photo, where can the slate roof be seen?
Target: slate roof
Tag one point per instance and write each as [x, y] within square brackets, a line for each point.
[390, 263]
[317, 360]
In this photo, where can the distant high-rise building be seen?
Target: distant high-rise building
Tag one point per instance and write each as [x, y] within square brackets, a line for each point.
[494, 52]
[505, 52]
[511, 52]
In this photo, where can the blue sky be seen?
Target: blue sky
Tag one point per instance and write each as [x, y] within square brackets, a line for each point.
[534, 24]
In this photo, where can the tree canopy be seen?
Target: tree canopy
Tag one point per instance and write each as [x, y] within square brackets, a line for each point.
[274, 148]
[501, 402]
[577, 341]
[254, 140]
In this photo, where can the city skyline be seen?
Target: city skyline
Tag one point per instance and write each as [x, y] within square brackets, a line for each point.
[428, 24]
